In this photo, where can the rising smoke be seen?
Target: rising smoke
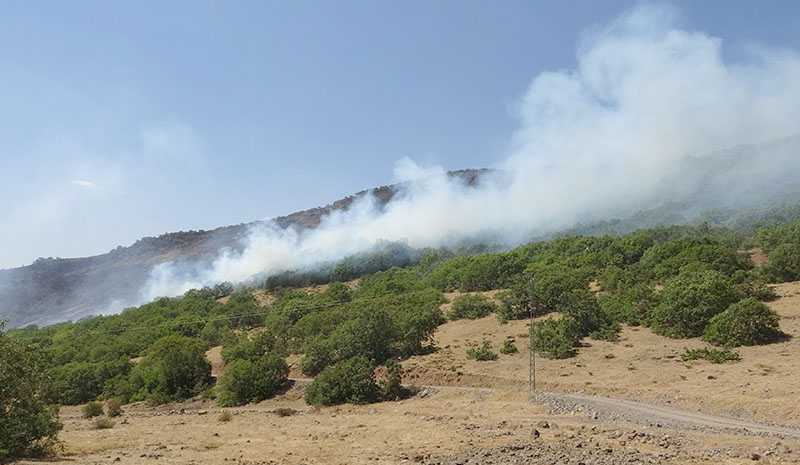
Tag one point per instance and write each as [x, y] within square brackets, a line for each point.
[611, 136]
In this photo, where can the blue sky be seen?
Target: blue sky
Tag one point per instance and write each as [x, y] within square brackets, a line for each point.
[119, 121]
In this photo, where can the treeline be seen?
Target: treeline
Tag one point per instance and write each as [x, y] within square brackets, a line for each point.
[682, 281]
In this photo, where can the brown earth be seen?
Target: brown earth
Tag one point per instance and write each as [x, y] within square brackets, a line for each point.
[493, 421]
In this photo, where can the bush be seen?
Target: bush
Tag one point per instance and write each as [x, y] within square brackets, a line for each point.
[174, 368]
[471, 306]
[630, 304]
[514, 302]
[482, 354]
[582, 306]
[74, 383]
[610, 333]
[556, 338]
[784, 263]
[318, 355]
[509, 347]
[747, 322]
[689, 301]
[712, 355]
[28, 425]
[391, 383]
[113, 407]
[252, 381]
[285, 411]
[350, 381]
[103, 423]
[92, 409]
[225, 417]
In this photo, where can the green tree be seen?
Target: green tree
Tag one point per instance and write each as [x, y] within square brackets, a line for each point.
[28, 424]
[470, 306]
[747, 322]
[556, 338]
[690, 300]
[582, 306]
[174, 368]
[253, 380]
[784, 263]
[352, 381]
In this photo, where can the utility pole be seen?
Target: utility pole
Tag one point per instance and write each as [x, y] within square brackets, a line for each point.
[532, 355]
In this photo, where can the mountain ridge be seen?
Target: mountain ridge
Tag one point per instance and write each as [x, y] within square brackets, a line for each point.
[58, 289]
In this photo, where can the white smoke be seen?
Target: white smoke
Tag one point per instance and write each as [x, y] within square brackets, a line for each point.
[599, 138]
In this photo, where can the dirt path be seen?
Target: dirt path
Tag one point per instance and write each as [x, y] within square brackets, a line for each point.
[649, 414]
[608, 409]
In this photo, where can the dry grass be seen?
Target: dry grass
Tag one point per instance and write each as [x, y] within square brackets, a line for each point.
[763, 386]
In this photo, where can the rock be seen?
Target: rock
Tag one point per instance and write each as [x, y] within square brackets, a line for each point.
[535, 433]
[543, 424]
[755, 456]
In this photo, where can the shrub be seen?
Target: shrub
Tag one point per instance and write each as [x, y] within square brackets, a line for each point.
[285, 412]
[471, 306]
[113, 407]
[630, 304]
[391, 383]
[28, 425]
[784, 263]
[581, 305]
[509, 347]
[318, 355]
[225, 417]
[174, 368]
[482, 354]
[556, 338]
[712, 355]
[252, 381]
[92, 409]
[74, 383]
[610, 333]
[371, 334]
[103, 423]
[514, 303]
[747, 322]
[553, 281]
[350, 381]
[689, 301]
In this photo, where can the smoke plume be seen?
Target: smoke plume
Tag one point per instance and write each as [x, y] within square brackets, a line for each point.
[624, 130]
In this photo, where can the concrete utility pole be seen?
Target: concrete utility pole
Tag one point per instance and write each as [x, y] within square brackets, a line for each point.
[532, 355]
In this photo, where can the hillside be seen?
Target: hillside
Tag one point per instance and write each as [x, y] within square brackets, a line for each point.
[738, 187]
[59, 289]
[480, 413]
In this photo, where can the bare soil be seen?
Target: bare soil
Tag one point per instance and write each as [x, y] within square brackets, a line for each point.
[631, 401]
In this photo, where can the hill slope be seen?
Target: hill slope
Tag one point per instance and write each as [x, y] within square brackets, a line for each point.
[58, 289]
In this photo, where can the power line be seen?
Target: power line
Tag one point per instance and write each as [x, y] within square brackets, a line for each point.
[532, 345]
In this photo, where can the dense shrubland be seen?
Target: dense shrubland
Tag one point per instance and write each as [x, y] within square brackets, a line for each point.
[682, 281]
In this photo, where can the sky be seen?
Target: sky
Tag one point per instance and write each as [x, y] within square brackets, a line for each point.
[124, 120]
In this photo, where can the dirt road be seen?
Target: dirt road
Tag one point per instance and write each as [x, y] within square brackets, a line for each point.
[653, 415]
[608, 409]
